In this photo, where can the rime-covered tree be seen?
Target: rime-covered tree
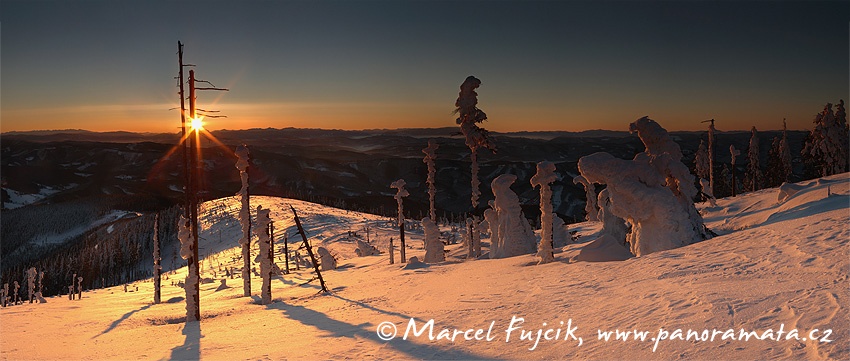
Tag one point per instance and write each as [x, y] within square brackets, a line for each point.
[245, 218]
[753, 180]
[515, 236]
[773, 176]
[590, 207]
[430, 156]
[31, 275]
[827, 144]
[653, 192]
[468, 118]
[264, 257]
[735, 153]
[399, 196]
[545, 175]
[434, 251]
[326, 259]
[701, 164]
[785, 154]
[157, 263]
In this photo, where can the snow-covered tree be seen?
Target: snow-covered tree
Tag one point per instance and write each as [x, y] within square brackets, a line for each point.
[515, 236]
[734, 153]
[711, 149]
[545, 176]
[184, 235]
[399, 195]
[701, 163]
[491, 218]
[612, 226]
[828, 142]
[326, 259]
[157, 263]
[31, 275]
[654, 192]
[753, 180]
[785, 154]
[245, 218]
[430, 156]
[590, 207]
[264, 257]
[434, 251]
[774, 172]
[468, 118]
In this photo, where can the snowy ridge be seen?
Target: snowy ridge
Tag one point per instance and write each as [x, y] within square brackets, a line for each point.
[774, 265]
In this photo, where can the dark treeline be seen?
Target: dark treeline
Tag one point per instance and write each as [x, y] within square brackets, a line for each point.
[104, 256]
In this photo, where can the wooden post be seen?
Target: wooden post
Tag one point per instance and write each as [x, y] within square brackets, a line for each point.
[392, 251]
[309, 250]
[401, 235]
[286, 252]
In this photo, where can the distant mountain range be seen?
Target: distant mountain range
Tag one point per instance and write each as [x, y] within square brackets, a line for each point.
[339, 167]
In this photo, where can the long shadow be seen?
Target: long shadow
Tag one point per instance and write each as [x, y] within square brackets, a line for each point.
[191, 347]
[369, 307]
[367, 330]
[122, 319]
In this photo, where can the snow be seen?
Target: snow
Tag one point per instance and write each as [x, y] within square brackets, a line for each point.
[773, 265]
[18, 199]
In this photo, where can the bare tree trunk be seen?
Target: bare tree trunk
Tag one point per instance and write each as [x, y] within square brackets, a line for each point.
[309, 250]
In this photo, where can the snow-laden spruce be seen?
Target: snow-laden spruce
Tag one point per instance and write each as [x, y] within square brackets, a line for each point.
[590, 207]
[653, 192]
[515, 236]
[364, 249]
[829, 142]
[545, 176]
[244, 217]
[264, 257]
[701, 164]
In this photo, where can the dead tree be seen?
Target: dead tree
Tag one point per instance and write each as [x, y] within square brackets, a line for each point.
[309, 250]
[157, 263]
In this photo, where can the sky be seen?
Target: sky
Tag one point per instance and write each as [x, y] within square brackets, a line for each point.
[553, 65]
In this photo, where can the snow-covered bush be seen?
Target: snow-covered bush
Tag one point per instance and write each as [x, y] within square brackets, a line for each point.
[514, 235]
[326, 260]
[590, 207]
[753, 180]
[545, 175]
[433, 246]
[654, 192]
[364, 249]
[264, 257]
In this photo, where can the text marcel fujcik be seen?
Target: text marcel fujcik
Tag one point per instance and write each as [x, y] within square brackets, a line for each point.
[516, 331]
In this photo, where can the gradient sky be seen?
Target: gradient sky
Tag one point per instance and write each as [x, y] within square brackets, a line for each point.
[556, 65]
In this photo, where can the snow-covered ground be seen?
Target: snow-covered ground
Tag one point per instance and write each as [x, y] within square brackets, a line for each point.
[775, 266]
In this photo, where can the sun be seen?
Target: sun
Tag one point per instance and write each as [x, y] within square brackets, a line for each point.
[197, 124]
